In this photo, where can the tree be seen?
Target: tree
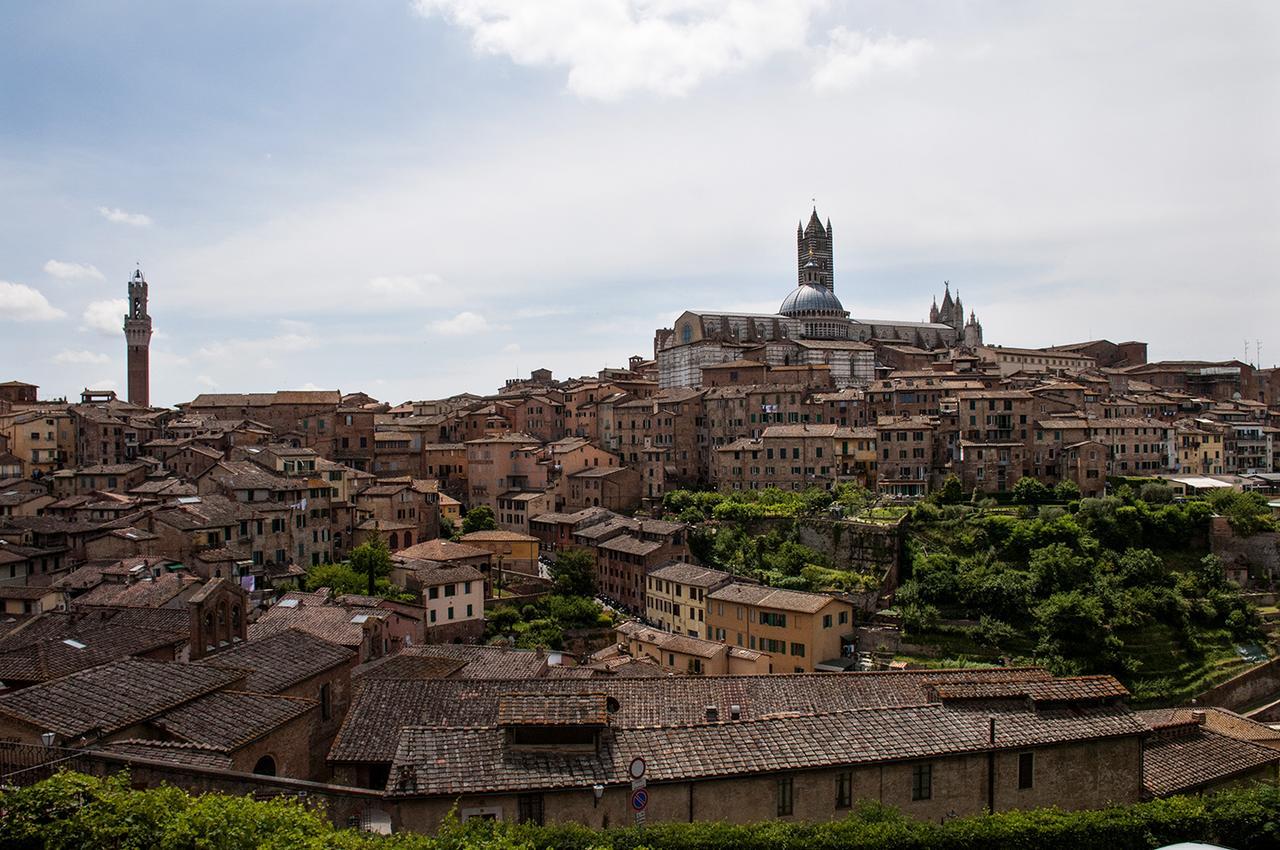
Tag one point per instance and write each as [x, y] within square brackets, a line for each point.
[372, 559]
[479, 518]
[1066, 491]
[1029, 491]
[952, 491]
[574, 573]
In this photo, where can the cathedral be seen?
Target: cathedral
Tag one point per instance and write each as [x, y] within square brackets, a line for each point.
[811, 327]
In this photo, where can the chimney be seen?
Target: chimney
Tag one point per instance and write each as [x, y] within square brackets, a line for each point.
[1198, 716]
[713, 714]
[735, 712]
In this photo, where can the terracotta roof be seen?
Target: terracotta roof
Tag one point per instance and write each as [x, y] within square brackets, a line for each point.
[406, 665]
[690, 574]
[113, 696]
[1180, 763]
[451, 760]
[442, 550]
[552, 710]
[331, 623]
[282, 660]
[381, 708]
[630, 545]
[142, 593]
[228, 720]
[176, 752]
[503, 536]
[79, 647]
[769, 597]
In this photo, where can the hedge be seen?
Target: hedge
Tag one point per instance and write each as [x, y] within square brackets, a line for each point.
[73, 812]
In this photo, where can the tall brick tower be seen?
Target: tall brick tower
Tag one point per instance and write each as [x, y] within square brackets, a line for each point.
[137, 335]
[813, 242]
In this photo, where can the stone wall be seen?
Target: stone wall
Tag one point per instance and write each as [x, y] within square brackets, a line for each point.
[874, 548]
[1258, 554]
[1256, 685]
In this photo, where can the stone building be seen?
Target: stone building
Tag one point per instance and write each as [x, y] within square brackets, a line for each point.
[812, 327]
[137, 334]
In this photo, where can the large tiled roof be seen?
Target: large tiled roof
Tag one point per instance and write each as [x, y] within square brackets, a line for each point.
[144, 593]
[282, 660]
[1180, 763]
[80, 647]
[113, 696]
[406, 665]
[381, 708]
[452, 760]
[497, 536]
[228, 720]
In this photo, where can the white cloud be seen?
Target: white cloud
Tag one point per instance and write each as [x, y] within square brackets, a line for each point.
[21, 303]
[119, 216]
[106, 317]
[71, 271]
[235, 349]
[851, 57]
[615, 47]
[105, 384]
[511, 348]
[69, 356]
[414, 286]
[463, 324]
[206, 381]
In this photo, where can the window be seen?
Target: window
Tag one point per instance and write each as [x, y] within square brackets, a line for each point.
[529, 808]
[922, 782]
[433, 593]
[826, 621]
[844, 617]
[844, 789]
[326, 702]
[1026, 770]
[786, 791]
[797, 649]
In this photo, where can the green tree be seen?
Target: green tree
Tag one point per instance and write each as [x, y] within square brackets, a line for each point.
[952, 492]
[479, 518]
[574, 573]
[371, 559]
[1066, 491]
[1029, 491]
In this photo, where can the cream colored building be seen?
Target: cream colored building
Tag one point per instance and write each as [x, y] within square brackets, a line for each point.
[676, 597]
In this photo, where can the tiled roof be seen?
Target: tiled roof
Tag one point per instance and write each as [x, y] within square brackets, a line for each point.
[769, 597]
[502, 536]
[489, 662]
[282, 660]
[143, 593]
[228, 720]
[1080, 688]
[690, 574]
[452, 760]
[1187, 762]
[176, 752]
[380, 708]
[552, 710]
[80, 647]
[669, 642]
[630, 545]
[442, 550]
[113, 696]
[406, 665]
[330, 623]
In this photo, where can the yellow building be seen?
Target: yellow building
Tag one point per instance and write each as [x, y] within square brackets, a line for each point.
[42, 440]
[798, 629]
[676, 597]
[1201, 447]
[511, 550]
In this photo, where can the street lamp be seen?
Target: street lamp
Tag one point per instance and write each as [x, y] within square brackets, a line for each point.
[46, 738]
[598, 791]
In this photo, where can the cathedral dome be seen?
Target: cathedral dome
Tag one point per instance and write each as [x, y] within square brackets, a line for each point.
[812, 300]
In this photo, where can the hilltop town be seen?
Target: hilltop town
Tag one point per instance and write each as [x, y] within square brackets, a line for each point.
[777, 566]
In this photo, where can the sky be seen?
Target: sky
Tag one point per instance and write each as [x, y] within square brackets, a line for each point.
[415, 198]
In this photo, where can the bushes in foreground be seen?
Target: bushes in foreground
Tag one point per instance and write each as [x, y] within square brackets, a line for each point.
[72, 811]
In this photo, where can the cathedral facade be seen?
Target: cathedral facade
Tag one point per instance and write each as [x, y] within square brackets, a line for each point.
[811, 327]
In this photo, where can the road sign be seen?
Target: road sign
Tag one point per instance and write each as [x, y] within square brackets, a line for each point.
[637, 767]
[640, 799]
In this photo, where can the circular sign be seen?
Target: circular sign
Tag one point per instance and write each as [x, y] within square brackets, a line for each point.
[637, 768]
[639, 799]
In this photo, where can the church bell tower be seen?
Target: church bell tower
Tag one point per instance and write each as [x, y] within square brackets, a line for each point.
[137, 335]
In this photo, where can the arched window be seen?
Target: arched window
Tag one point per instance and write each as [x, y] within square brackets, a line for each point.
[408, 539]
[235, 618]
[266, 766]
[395, 541]
[686, 333]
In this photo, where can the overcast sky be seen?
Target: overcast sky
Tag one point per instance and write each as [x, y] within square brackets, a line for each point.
[419, 198]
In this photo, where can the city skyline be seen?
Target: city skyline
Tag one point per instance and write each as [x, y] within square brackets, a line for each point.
[474, 201]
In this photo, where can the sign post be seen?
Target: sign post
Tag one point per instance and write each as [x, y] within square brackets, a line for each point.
[639, 789]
